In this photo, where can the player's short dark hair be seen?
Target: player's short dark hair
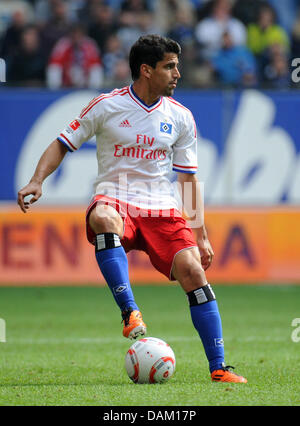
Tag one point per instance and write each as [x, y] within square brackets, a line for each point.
[149, 50]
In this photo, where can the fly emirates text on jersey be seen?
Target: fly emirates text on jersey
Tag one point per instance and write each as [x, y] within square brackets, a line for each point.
[142, 150]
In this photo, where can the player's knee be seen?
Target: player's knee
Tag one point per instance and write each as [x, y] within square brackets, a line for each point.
[105, 218]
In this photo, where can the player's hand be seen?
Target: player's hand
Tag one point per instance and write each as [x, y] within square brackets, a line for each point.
[33, 188]
[206, 252]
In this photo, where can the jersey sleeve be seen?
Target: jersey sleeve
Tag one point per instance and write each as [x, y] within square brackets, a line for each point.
[185, 148]
[82, 128]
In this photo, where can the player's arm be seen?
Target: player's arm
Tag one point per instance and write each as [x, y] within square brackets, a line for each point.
[47, 164]
[193, 206]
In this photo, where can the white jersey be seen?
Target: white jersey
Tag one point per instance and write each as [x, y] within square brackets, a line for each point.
[137, 146]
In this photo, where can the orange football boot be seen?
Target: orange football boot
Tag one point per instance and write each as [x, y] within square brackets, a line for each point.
[134, 325]
[225, 375]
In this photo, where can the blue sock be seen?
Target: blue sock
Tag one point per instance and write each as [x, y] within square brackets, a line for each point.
[112, 261]
[207, 321]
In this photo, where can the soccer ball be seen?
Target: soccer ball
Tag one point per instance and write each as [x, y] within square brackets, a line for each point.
[150, 360]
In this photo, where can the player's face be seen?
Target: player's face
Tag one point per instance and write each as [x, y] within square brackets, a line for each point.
[165, 75]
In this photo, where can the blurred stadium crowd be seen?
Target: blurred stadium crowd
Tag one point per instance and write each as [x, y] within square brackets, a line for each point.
[85, 43]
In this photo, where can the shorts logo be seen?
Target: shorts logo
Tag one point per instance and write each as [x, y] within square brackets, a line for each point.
[119, 289]
[166, 128]
[219, 342]
[74, 125]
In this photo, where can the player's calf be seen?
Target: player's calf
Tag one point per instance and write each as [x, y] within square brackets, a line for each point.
[112, 261]
[207, 321]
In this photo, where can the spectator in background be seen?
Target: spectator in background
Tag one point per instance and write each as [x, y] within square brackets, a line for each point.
[114, 54]
[27, 66]
[263, 35]
[209, 31]
[12, 36]
[86, 12]
[7, 9]
[295, 37]
[146, 23]
[135, 6]
[247, 10]
[75, 62]
[286, 11]
[103, 25]
[234, 65]
[134, 25]
[121, 76]
[56, 27]
[44, 8]
[204, 9]
[277, 71]
[165, 13]
[129, 31]
[183, 33]
[183, 29]
[265, 32]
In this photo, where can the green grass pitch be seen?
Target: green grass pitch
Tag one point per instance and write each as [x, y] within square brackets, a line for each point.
[65, 347]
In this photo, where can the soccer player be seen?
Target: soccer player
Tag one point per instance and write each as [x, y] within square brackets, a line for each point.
[141, 133]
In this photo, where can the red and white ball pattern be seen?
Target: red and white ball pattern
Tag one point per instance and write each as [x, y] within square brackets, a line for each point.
[150, 360]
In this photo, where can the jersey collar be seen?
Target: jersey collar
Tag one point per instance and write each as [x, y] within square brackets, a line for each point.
[148, 108]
